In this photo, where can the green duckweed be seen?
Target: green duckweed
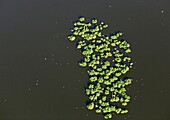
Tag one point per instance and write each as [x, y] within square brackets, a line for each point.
[90, 106]
[107, 59]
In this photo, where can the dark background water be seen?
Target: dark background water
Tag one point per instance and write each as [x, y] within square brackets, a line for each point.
[39, 74]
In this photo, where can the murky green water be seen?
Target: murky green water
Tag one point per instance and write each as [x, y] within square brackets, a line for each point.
[39, 74]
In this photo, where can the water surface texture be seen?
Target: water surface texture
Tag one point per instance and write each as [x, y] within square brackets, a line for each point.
[39, 74]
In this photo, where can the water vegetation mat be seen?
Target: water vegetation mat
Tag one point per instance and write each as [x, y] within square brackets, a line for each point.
[107, 59]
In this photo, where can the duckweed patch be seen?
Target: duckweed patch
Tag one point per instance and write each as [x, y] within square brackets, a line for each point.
[107, 59]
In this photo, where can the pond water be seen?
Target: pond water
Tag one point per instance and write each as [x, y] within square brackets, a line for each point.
[39, 74]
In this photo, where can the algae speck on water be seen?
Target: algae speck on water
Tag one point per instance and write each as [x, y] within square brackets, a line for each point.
[107, 59]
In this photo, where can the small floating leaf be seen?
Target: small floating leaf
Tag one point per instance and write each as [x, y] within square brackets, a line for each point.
[90, 106]
[71, 38]
[82, 19]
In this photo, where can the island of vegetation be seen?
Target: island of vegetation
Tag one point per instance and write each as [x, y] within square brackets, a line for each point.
[107, 59]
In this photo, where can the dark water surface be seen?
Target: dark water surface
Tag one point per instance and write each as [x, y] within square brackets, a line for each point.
[39, 74]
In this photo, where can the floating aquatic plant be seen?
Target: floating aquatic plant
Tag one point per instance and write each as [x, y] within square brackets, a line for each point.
[107, 60]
